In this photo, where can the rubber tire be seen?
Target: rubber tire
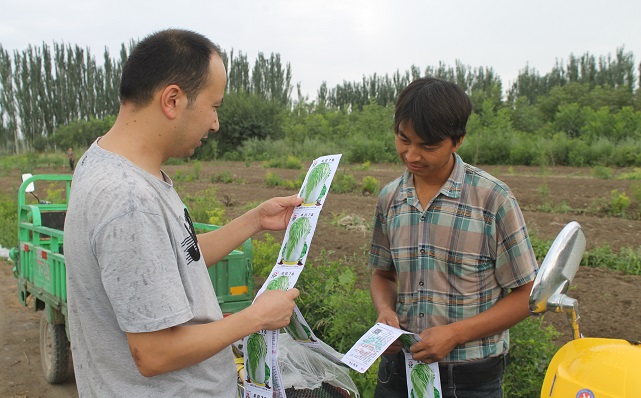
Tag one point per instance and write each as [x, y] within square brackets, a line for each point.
[55, 352]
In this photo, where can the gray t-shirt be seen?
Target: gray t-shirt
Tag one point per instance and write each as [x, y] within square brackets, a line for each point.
[133, 265]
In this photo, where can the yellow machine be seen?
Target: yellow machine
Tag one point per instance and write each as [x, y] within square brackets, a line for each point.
[584, 367]
[594, 367]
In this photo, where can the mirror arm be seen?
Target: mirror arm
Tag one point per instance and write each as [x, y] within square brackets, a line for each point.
[563, 303]
[571, 308]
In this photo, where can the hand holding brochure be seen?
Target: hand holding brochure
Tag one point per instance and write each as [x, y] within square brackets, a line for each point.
[423, 380]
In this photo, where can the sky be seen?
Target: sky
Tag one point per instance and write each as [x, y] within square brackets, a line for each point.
[343, 40]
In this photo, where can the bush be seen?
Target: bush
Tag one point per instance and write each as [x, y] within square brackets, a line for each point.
[205, 207]
[224, 177]
[289, 162]
[274, 180]
[337, 308]
[531, 350]
[265, 255]
[628, 260]
[344, 183]
[602, 172]
[9, 225]
[370, 186]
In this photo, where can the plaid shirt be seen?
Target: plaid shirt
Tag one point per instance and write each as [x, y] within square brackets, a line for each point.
[455, 259]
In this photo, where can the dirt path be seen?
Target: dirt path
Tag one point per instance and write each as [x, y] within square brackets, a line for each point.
[19, 341]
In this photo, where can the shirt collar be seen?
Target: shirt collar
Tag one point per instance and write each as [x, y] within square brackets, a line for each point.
[451, 187]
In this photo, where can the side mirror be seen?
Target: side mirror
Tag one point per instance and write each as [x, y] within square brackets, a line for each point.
[557, 271]
[30, 187]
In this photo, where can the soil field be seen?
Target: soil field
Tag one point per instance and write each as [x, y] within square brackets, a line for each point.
[609, 302]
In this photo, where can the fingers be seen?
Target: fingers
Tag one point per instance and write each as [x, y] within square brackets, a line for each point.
[292, 293]
[389, 318]
[295, 200]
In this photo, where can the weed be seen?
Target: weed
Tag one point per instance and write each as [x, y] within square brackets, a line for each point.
[543, 191]
[370, 186]
[365, 166]
[344, 183]
[602, 172]
[531, 349]
[632, 175]
[205, 207]
[290, 162]
[619, 202]
[274, 180]
[224, 177]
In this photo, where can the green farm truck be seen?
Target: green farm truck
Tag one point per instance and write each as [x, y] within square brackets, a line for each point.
[39, 266]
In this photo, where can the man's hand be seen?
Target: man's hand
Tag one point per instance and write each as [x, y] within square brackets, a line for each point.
[390, 318]
[274, 214]
[273, 308]
[435, 344]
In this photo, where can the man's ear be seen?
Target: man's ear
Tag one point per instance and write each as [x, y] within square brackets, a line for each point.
[171, 98]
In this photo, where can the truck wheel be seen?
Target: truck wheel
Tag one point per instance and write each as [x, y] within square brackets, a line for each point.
[54, 351]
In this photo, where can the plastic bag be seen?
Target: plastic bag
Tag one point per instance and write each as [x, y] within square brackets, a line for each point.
[303, 368]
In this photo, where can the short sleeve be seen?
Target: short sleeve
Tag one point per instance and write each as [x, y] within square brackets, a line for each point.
[380, 256]
[139, 272]
[515, 260]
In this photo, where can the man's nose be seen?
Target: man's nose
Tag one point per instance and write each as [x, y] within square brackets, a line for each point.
[216, 125]
[413, 153]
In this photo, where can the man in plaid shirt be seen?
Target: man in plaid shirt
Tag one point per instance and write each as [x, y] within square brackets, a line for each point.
[450, 253]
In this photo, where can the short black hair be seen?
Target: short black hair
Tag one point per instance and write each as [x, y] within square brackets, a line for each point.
[436, 108]
[171, 56]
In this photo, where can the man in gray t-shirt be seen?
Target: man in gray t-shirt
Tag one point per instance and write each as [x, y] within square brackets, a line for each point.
[143, 315]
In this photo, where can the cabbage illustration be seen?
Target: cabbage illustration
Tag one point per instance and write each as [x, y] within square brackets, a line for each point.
[406, 340]
[296, 246]
[279, 283]
[314, 188]
[257, 369]
[297, 329]
[422, 377]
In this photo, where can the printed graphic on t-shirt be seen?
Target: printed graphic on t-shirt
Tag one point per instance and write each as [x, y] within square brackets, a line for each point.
[190, 244]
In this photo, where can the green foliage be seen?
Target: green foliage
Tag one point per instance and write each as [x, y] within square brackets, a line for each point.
[602, 172]
[344, 183]
[365, 166]
[265, 254]
[224, 177]
[288, 162]
[205, 207]
[81, 133]
[628, 260]
[9, 225]
[31, 161]
[55, 193]
[632, 175]
[191, 175]
[543, 190]
[335, 302]
[338, 309]
[531, 350]
[540, 247]
[548, 207]
[245, 116]
[370, 185]
[274, 180]
[619, 203]
[366, 382]
[636, 191]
